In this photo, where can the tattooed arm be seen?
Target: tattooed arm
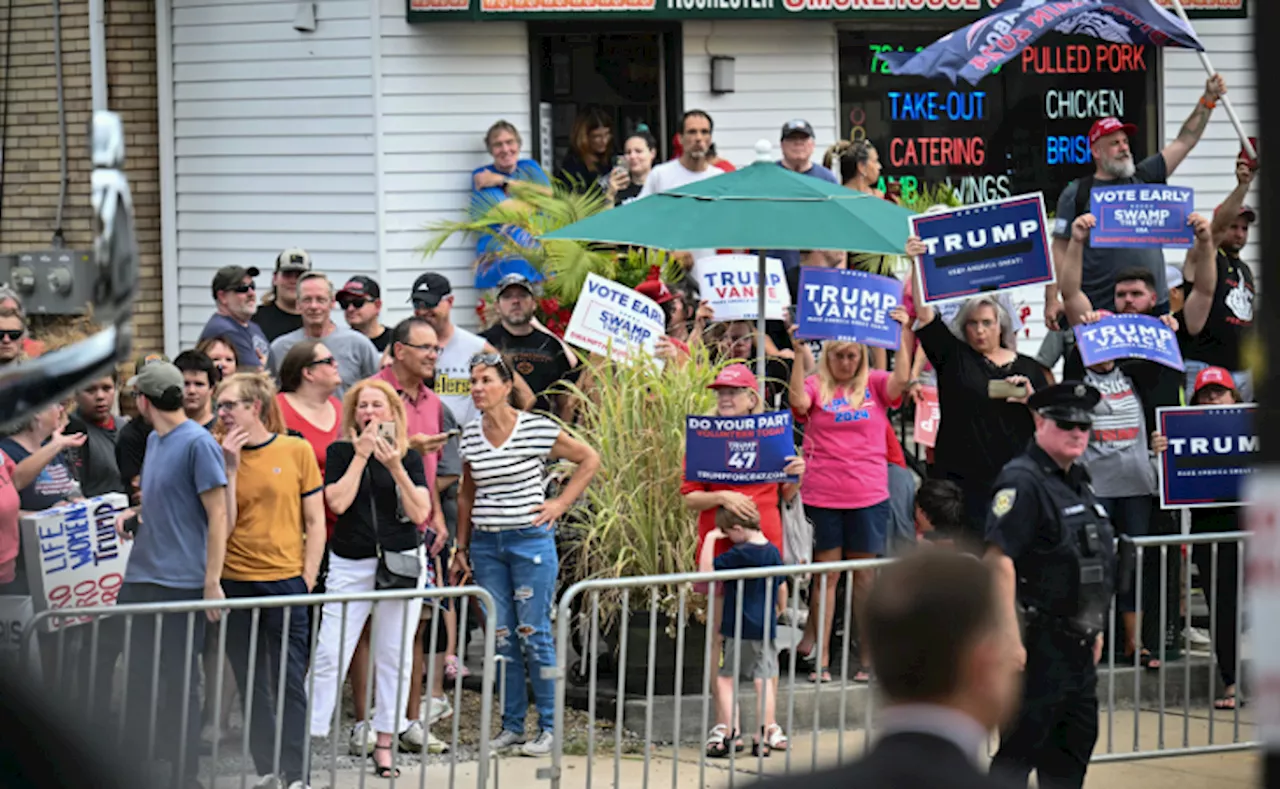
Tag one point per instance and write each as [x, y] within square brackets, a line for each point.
[1191, 131]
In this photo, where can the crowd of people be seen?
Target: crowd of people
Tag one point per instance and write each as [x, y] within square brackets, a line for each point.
[287, 454]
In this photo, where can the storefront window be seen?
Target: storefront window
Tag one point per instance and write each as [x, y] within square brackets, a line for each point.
[1023, 129]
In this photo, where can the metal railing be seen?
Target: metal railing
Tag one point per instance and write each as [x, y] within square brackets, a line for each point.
[109, 634]
[593, 632]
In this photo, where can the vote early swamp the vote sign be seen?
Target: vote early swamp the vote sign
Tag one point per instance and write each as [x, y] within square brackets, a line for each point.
[1141, 215]
[615, 321]
[738, 450]
[981, 248]
[1212, 450]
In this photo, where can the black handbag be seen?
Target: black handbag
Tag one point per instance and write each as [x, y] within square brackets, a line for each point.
[396, 570]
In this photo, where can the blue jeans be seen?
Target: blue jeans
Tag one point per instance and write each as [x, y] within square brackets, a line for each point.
[519, 568]
[260, 719]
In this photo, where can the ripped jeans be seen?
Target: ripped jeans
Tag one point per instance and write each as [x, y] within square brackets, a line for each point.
[519, 568]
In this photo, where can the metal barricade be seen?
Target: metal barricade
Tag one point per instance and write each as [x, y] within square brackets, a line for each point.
[160, 646]
[829, 723]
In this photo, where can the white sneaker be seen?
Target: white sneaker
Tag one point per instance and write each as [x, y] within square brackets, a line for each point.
[435, 744]
[411, 739]
[540, 745]
[439, 709]
[266, 782]
[299, 785]
[505, 741]
[361, 740]
[1197, 637]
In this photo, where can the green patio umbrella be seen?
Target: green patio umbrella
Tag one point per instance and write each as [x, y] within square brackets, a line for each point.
[762, 207]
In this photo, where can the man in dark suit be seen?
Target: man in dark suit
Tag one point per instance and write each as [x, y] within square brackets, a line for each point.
[949, 670]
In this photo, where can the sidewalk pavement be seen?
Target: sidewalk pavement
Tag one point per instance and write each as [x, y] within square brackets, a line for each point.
[1239, 770]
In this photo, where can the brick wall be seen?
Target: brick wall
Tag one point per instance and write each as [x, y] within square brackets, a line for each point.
[29, 195]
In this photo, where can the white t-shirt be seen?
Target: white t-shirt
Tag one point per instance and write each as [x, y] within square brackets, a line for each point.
[672, 175]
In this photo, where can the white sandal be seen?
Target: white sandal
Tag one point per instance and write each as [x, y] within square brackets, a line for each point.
[775, 738]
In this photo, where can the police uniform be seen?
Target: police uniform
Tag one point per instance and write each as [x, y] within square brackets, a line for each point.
[1050, 524]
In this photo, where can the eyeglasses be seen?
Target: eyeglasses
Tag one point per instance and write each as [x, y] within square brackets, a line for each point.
[353, 304]
[732, 391]
[1068, 425]
[489, 360]
[329, 360]
[12, 335]
[247, 288]
[227, 405]
[433, 350]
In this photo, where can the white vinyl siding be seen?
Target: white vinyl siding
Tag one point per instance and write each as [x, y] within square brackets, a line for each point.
[1210, 169]
[783, 70]
[443, 85]
[273, 135]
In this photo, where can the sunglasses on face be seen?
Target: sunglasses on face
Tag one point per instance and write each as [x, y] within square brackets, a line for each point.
[329, 360]
[1068, 425]
[353, 304]
[247, 288]
[12, 335]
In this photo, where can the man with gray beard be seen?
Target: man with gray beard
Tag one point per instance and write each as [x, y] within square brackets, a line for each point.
[1109, 144]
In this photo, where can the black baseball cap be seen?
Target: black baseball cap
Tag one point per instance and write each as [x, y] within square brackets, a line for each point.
[797, 126]
[429, 289]
[229, 277]
[359, 287]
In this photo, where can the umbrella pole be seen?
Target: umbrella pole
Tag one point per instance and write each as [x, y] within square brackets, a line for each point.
[1226, 101]
[761, 285]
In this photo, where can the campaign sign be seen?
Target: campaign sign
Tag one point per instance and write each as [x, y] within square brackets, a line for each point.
[614, 320]
[738, 450]
[1129, 337]
[850, 306]
[1142, 215]
[74, 557]
[1212, 450]
[981, 248]
[728, 284]
[928, 417]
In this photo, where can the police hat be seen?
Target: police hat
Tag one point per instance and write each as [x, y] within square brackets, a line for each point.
[1071, 401]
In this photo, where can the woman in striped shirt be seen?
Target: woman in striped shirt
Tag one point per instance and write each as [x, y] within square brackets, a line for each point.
[506, 531]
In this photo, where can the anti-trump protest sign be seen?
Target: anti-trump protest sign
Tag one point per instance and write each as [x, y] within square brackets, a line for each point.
[1142, 215]
[729, 284]
[738, 450]
[1212, 450]
[1128, 337]
[613, 320]
[848, 305]
[981, 248]
[75, 558]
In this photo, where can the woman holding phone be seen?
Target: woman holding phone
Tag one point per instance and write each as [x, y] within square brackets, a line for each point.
[376, 485]
[631, 170]
[983, 385]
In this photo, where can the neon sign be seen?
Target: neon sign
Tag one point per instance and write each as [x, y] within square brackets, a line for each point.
[1061, 149]
[1082, 59]
[934, 106]
[937, 152]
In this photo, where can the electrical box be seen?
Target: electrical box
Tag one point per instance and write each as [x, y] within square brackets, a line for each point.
[51, 282]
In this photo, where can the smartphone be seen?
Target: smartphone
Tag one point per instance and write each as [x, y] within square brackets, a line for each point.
[454, 433]
[387, 431]
[1002, 390]
[130, 524]
[620, 163]
[1252, 161]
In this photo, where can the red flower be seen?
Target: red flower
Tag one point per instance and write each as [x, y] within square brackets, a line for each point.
[564, 314]
[552, 304]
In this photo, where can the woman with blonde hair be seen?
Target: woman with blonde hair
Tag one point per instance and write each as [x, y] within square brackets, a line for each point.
[274, 548]
[376, 486]
[845, 409]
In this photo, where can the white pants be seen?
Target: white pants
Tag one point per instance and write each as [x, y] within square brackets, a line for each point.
[390, 644]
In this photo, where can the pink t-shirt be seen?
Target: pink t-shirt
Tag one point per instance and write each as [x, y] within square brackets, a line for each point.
[845, 449]
[9, 539]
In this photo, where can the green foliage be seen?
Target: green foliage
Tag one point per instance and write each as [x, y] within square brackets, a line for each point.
[634, 416]
[929, 196]
[918, 202]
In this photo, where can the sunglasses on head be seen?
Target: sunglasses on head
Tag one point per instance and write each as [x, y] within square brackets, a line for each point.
[12, 335]
[353, 304]
[1069, 425]
[489, 360]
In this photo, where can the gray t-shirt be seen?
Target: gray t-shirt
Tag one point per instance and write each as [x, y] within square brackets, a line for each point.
[357, 357]
[1117, 456]
[171, 546]
[1102, 265]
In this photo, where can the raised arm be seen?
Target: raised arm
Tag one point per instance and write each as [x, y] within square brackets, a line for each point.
[1229, 211]
[1071, 271]
[898, 382]
[1179, 147]
[1202, 265]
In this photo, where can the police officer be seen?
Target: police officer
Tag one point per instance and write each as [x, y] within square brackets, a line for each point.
[1052, 546]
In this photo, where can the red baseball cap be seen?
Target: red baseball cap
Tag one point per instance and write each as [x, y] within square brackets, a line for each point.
[1104, 126]
[654, 288]
[735, 376]
[1215, 376]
